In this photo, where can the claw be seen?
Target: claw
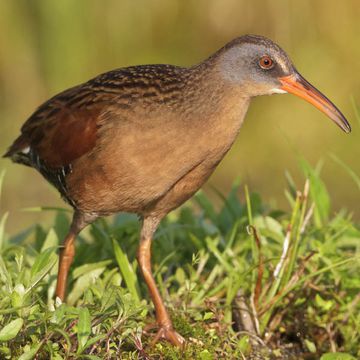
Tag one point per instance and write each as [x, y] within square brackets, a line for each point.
[169, 334]
[166, 333]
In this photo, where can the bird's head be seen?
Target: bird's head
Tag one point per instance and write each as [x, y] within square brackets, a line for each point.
[261, 67]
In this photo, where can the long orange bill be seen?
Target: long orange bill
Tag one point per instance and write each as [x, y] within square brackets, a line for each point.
[297, 85]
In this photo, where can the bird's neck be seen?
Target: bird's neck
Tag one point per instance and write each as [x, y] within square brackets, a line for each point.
[214, 109]
[212, 97]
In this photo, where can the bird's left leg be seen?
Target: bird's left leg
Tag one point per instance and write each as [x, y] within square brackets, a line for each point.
[166, 329]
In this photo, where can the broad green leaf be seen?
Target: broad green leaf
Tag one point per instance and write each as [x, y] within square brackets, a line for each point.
[5, 276]
[94, 340]
[10, 330]
[269, 227]
[267, 222]
[57, 356]
[82, 283]
[29, 355]
[51, 240]
[337, 356]
[58, 314]
[208, 315]
[310, 345]
[85, 269]
[5, 351]
[180, 275]
[43, 260]
[83, 328]
[17, 296]
[244, 344]
[42, 265]
[108, 299]
[325, 305]
[205, 355]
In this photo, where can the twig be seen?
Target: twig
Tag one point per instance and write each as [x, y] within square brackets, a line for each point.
[242, 315]
[285, 250]
[331, 338]
[307, 218]
[255, 315]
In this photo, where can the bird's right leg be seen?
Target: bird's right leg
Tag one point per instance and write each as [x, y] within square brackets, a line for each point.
[66, 257]
[166, 329]
[67, 251]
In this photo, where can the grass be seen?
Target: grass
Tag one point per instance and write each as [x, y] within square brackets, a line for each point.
[242, 282]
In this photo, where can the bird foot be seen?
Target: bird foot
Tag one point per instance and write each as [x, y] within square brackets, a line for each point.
[167, 333]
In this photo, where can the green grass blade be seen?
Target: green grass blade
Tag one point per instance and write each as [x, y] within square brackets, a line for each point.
[127, 271]
[2, 175]
[325, 269]
[356, 109]
[348, 169]
[221, 257]
[206, 206]
[318, 193]
[248, 206]
[2, 229]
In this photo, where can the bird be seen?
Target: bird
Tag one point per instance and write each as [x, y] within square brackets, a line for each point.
[143, 139]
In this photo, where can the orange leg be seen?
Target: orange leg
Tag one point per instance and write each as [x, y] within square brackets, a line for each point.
[66, 258]
[166, 330]
[67, 252]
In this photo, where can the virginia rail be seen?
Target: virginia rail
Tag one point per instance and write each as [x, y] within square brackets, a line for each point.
[144, 139]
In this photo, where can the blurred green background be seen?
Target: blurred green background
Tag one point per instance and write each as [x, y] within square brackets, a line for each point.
[47, 46]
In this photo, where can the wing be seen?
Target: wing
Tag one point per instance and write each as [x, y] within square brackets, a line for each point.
[65, 127]
[61, 130]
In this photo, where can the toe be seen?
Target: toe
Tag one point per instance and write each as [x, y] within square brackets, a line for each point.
[169, 334]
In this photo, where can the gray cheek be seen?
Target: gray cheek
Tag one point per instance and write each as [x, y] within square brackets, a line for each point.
[233, 66]
[239, 67]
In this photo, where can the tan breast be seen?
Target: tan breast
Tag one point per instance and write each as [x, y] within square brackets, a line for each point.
[152, 156]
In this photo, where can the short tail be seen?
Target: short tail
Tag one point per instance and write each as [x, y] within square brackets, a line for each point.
[19, 151]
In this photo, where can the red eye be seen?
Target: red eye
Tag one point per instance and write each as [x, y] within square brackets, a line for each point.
[266, 62]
